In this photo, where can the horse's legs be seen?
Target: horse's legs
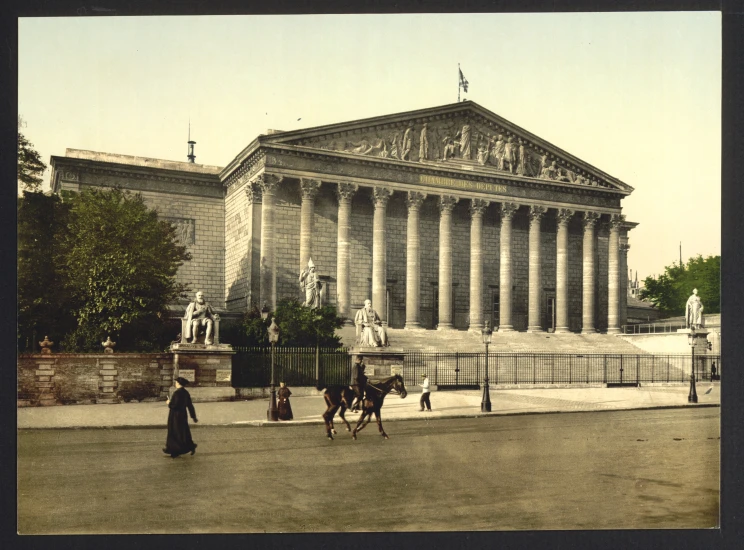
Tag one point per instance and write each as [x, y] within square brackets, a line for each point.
[341, 414]
[359, 427]
[328, 417]
[378, 416]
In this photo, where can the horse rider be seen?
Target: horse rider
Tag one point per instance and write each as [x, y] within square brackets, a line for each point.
[358, 382]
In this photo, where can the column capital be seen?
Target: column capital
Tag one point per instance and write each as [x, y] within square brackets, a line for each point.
[268, 182]
[478, 207]
[537, 212]
[508, 209]
[564, 216]
[253, 193]
[447, 203]
[345, 191]
[380, 196]
[309, 187]
[616, 220]
[589, 219]
[414, 200]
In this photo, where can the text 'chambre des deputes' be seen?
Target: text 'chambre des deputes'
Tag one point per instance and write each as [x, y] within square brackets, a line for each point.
[462, 184]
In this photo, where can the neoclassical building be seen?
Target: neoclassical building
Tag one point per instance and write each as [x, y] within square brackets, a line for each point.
[445, 217]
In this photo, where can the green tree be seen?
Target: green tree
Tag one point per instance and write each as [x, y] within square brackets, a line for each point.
[120, 265]
[43, 299]
[30, 166]
[299, 326]
[670, 291]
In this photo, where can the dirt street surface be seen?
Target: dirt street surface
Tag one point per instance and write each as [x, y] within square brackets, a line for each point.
[603, 470]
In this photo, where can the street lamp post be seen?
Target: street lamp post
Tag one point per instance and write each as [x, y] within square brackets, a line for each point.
[692, 397]
[486, 402]
[273, 413]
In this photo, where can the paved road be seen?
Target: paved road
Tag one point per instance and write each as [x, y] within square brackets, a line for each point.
[630, 469]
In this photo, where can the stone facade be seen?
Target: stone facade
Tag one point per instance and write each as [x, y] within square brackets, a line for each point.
[251, 225]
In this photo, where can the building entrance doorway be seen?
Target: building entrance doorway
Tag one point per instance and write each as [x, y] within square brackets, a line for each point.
[495, 311]
[550, 313]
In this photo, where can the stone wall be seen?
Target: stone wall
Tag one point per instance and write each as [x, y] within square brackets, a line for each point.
[203, 206]
[78, 378]
[206, 270]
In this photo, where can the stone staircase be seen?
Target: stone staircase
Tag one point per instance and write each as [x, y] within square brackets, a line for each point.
[511, 342]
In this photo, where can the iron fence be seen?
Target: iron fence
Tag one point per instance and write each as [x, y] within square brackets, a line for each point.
[454, 370]
[251, 367]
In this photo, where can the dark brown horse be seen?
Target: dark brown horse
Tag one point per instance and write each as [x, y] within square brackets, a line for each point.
[339, 398]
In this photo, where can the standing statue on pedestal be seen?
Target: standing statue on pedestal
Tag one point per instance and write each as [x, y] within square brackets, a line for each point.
[694, 311]
[369, 329]
[200, 314]
[310, 283]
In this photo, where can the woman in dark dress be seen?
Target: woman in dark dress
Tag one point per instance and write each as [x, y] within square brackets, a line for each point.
[285, 409]
[179, 440]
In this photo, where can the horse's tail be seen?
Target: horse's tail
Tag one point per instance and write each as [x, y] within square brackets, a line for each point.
[320, 386]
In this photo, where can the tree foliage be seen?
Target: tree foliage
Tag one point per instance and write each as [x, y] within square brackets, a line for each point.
[670, 291]
[43, 299]
[30, 166]
[299, 326]
[120, 263]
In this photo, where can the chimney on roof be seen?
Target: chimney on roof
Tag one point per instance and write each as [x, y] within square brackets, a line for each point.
[191, 156]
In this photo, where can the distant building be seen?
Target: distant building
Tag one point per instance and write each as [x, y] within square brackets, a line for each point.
[639, 311]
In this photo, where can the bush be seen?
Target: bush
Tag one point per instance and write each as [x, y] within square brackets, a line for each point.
[299, 326]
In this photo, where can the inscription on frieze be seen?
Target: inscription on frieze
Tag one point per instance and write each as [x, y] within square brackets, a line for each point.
[427, 179]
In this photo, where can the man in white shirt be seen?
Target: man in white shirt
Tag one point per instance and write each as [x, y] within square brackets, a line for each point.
[425, 394]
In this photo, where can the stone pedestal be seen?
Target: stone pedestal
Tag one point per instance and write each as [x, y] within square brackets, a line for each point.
[45, 381]
[108, 381]
[207, 368]
[380, 362]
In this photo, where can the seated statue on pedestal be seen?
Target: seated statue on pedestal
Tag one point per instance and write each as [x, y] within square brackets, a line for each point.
[199, 314]
[369, 329]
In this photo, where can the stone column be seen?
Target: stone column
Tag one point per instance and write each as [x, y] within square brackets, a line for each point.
[613, 275]
[345, 192]
[108, 382]
[505, 268]
[477, 208]
[309, 189]
[253, 216]
[413, 261]
[561, 271]
[45, 379]
[622, 312]
[446, 205]
[534, 318]
[380, 197]
[268, 184]
[588, 299]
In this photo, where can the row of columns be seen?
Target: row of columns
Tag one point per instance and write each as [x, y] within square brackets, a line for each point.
[414, 200]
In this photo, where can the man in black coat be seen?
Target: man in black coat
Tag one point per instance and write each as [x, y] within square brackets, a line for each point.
[179, 440]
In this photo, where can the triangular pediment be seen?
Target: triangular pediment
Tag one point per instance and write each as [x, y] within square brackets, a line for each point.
[461, 133]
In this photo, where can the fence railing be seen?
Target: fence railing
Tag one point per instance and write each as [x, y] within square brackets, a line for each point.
[306, 367]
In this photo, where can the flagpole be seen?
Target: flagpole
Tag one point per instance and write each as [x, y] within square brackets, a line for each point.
[459, 85]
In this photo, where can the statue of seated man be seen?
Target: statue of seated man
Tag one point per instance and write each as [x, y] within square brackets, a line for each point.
[370, 332]
[200, 314]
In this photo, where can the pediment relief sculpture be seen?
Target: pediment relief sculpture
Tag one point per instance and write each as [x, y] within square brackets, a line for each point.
[471, 140]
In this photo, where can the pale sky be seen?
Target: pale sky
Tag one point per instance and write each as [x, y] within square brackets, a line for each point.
[638, 95]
